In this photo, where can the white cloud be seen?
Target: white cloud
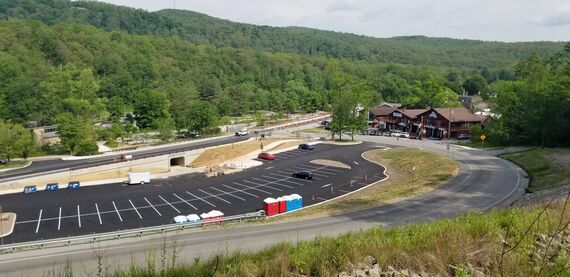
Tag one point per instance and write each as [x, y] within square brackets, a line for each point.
[561, 16]
[503, 20]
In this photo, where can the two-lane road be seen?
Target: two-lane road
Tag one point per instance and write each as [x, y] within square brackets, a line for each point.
[484, 181]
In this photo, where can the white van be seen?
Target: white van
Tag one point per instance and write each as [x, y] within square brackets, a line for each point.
[138, 178]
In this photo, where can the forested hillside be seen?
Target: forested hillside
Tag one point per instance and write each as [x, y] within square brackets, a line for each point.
[202, 29]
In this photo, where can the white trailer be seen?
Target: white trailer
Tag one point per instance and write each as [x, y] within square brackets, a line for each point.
[139, 178]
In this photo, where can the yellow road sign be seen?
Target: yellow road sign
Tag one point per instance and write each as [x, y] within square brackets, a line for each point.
[483, 137]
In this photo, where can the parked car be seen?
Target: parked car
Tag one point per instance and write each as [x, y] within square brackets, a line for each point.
[265, 156]
[242, 132]
[180, 219]
[325, 122]
[328, 127]
[386, 134]
[405, 135]
[305, 146]
[463, 136]
[307, 175]
[434, 138]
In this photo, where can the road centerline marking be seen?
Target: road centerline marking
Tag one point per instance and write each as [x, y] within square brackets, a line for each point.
[203, 200]
[39, 220]
[215, 196]
[169, 204]
[135, 208]
[152, 206]
[116, 210]
[184, 201]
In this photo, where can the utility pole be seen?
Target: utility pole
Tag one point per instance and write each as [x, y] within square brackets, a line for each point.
[449, 128]
[1, 224]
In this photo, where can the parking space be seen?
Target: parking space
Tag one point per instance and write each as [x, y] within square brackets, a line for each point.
[137, 206]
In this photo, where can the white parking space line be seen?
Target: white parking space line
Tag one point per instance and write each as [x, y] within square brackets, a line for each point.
[140, 216]
[324, 168]
[176, 195]
[214, 196]
[240, 190]
[253, 188]
[345, 191]
[98, 214]
[228, 193]
[355, 162]
[276, 182]
[290, 177]
[116, 210]
[39, 220]
[284, 180]
[59, 220]
[78, 216]
[169, 204]
[262, 185]
[152, 206]
[203, 200]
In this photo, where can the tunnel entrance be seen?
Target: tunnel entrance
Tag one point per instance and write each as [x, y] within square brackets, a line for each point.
[177, 161]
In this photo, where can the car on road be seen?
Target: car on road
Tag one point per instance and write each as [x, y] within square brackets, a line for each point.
[305, 146]
[266, 156]
[242, 132]
[462, 136]
[126, 158]
[307, 175]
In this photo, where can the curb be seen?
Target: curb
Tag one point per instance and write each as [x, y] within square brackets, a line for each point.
[16, 168]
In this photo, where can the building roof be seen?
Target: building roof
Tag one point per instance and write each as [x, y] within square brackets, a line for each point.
[382, 110]
[413, 113]
[458, 114]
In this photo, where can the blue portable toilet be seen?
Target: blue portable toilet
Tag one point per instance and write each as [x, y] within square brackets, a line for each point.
[30, 189]
[298, 200]
[52, 187]
[289, 203]
[73, 185]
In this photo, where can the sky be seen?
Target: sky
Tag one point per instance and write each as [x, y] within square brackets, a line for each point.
[492, 20]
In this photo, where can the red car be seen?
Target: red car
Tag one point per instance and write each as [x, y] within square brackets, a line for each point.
[266, 156]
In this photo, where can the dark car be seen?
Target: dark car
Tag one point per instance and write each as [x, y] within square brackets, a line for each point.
[266, 156]
[463, 136]
[307, 175]
[325, 122]
[305, 146]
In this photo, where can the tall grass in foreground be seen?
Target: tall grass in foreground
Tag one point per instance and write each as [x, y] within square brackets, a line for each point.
[499, 243]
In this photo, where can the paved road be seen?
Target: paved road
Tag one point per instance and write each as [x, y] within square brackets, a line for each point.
[112, 207]
[484, 181]
[58, 164]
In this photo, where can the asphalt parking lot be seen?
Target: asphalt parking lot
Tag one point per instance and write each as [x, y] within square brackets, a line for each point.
[45, 215]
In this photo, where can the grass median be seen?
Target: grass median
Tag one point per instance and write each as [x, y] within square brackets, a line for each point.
[431, 170]
[549, 167]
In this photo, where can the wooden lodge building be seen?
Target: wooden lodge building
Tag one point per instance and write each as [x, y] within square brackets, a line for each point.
[435, 122]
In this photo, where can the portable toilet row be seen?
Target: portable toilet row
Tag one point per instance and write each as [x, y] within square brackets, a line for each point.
[286, 203]
[210, 216]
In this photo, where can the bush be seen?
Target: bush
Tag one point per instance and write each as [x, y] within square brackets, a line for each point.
[475, 131]
[112, 143]
[85, 148]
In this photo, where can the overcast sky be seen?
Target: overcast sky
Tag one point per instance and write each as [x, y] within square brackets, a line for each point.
[502, 20]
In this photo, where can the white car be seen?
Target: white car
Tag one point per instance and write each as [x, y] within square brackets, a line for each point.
[242, 132]
[180, 219]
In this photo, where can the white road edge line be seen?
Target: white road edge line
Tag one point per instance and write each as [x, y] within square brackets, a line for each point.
[98, 214]
[39, 220]
[116, 210]
[184, 201]
[59, 220]
[228, 193]
[234, 189]
[169, 204]
[152, 206]
[78, 216]
[140, 216]
[200, 199]
[215, 196]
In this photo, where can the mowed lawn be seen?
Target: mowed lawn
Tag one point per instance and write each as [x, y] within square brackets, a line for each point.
[549, 167]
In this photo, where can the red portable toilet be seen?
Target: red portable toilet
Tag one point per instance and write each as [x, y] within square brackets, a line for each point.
[205, 217]
[215, 214]
[270, 206]
[282, 204]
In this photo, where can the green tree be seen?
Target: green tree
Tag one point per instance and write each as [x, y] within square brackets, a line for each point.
[150, 106]
[475, 84]
[15, 141]
[201, 115]
[76, 134]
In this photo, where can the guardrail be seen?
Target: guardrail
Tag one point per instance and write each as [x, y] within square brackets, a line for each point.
[10, 248]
